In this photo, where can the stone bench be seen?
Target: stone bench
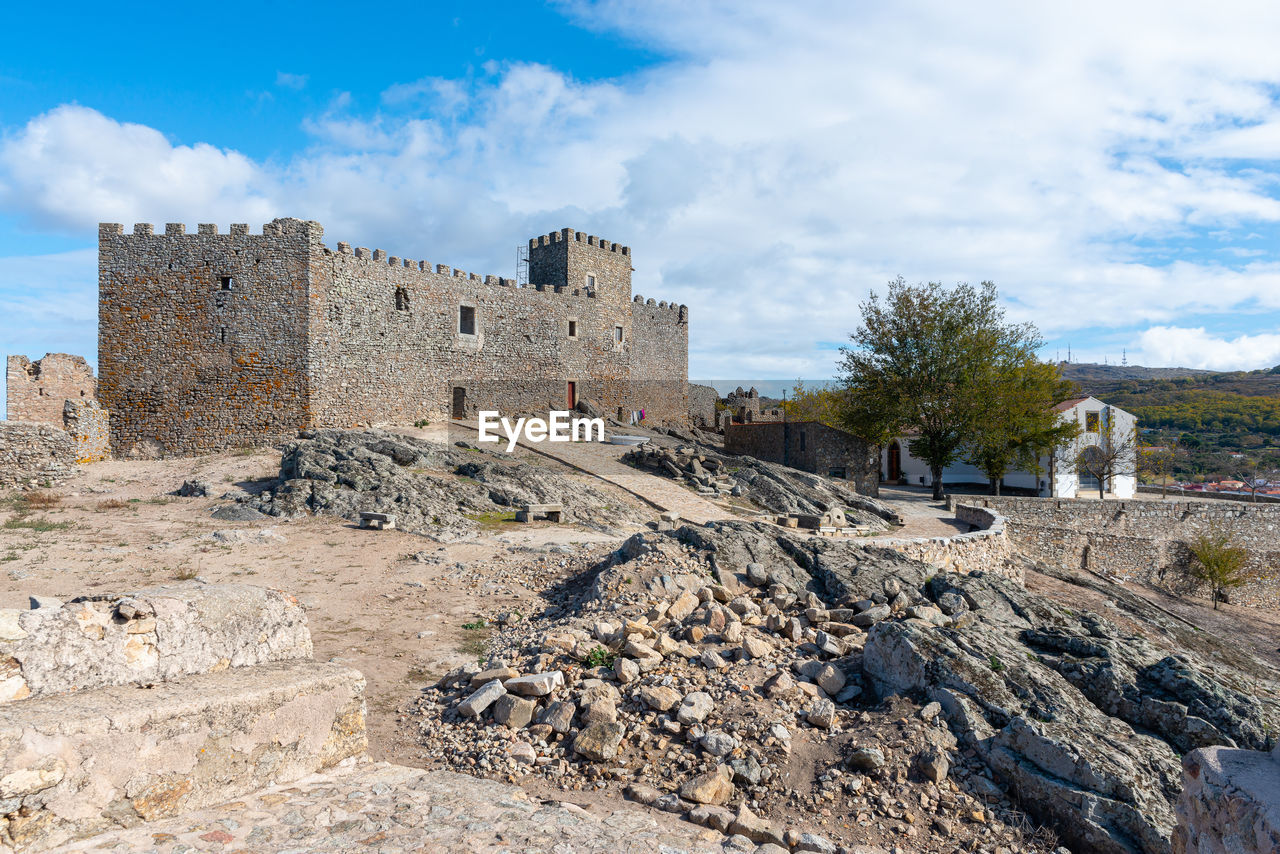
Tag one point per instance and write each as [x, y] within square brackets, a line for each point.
[377, 521]
[529, 512]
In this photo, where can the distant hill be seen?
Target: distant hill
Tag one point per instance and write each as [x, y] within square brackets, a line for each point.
[1089, 374]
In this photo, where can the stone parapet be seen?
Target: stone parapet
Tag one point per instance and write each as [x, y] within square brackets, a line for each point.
[145, 637]
[74, 765]
[986, 549]
[1230, 803]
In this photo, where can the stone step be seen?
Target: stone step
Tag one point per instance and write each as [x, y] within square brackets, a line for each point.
[374, 806]
[76, 764]
[146, 636]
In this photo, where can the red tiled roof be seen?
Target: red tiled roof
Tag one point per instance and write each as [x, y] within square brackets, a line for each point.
[1069, 404]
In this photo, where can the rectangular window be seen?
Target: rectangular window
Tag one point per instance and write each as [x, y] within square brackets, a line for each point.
[573, 329]
[227, 282]
[466, 320]
[617, 334]
[1092, 421]
[591, 282]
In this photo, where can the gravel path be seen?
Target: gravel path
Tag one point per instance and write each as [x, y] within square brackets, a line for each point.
[921, 515]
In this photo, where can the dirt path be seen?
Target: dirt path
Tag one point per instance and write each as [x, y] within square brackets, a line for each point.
[921, 515]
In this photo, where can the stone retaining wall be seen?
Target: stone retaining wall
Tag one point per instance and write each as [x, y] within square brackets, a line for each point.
[89, 427]
[1138, 540]
[986, 549]
[149, 636]
[34, 454]
[1230, 802]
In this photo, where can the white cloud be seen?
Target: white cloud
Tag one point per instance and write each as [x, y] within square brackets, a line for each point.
[786, 160]
[291, 81]
[1196, 348]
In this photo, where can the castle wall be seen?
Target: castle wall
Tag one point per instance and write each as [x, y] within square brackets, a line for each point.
[660, 361]
[809, 446]
[89, 426]
[186, 364]
[306, 336]
[37, 389]
[34, 454]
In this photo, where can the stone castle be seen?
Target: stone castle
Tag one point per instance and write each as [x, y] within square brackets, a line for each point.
[208, 340]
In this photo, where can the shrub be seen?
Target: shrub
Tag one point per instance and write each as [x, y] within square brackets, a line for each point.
[1219, 562]
[41, 499]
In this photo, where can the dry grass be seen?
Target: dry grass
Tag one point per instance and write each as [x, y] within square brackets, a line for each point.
[113, 504]
[40, 499]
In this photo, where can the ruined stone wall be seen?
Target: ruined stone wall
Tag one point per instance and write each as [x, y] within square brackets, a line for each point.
[808, 446]
[34, 454]
[37, 389]
[89, 426]
[985, 549]
[202, 337]
[1138, 540]
[702, 406]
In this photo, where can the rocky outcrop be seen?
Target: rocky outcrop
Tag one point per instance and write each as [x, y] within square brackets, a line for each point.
[1230, 803]
[444, 492]
[1081, 719]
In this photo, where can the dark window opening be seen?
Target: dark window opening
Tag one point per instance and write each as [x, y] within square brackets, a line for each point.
[573, 329]
[839, 472]
[1091, 420]
[222, 333]
[617, 334]
[591, 283]
[227, 283]
[402, 299]
[41, 392]
[802, 440]
[466, 320]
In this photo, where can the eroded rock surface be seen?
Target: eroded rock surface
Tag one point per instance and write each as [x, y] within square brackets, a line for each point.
[444, 492]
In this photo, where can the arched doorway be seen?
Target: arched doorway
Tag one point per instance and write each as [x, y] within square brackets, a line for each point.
[895, 462]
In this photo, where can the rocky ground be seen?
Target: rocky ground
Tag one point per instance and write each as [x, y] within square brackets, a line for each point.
[817, 695]
[796, 692]
[760, 485]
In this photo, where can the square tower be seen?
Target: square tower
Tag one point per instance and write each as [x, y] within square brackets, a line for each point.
[583, 262]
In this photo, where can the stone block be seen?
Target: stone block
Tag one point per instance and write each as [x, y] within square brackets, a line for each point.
[79, 764]
[148, 636]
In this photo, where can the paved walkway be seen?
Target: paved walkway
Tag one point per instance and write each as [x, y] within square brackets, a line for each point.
[604, 461]
[389, 808]
[921, 515]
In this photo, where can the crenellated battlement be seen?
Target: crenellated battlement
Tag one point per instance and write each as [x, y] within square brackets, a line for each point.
[282, 227]
[568, 234]
[677, 313]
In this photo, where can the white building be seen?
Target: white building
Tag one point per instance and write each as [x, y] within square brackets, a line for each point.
[1100, 425]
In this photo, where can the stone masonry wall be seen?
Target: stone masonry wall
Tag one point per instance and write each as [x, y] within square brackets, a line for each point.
[37, 389]
[34, 454]
[89, 426]
[202, 337]
[1139, 540]
[702, 406]
[306, 336]
[809, 446]
[985, 549]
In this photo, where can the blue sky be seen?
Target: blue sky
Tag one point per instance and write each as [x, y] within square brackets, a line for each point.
[1112, 169]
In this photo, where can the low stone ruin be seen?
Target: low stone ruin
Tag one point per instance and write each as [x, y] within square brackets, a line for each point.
[132, 708]
[33, 455]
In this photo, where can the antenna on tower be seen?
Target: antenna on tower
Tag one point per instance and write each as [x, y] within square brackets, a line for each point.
[1124, 357]
[1068, 354]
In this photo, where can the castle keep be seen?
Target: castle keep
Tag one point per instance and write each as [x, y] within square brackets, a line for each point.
[208, 340]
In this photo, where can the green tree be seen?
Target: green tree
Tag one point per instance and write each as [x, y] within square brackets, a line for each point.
[1219, 561]
[1018, 426]
[917, 365]
[824, 405]
[1156, 465]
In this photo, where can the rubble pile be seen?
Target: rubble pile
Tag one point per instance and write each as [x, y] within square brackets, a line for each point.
[771, 487]
[817, 695]
[440, 491]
